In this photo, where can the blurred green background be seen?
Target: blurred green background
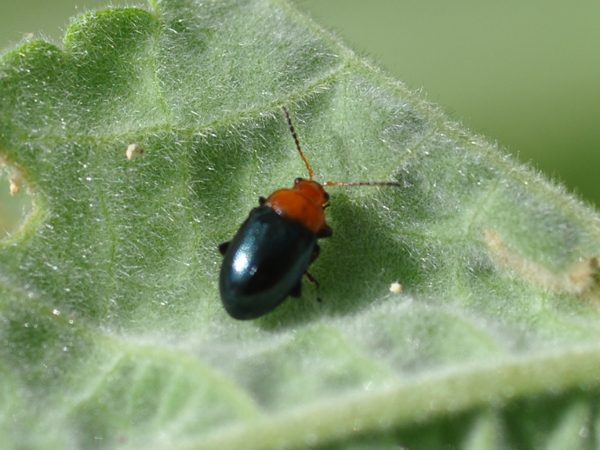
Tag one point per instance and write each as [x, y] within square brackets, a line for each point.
[525, 73]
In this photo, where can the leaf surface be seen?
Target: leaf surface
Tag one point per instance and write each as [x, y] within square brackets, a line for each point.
[112, 331]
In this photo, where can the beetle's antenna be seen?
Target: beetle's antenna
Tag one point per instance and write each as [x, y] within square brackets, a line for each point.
[289, 121]
[361, 183]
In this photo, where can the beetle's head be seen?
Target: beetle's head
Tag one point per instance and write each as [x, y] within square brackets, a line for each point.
[312, 190]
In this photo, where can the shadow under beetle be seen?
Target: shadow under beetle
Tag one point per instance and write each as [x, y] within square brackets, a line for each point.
[265, 261]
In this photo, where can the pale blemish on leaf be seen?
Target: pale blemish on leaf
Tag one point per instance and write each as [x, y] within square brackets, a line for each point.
[579, 279]
[133, 150]
[17, 205]
[395, 287]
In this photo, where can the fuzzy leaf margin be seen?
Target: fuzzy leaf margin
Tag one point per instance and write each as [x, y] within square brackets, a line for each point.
[112, 331]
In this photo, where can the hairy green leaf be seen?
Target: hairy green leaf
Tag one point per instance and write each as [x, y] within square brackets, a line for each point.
[112, 334]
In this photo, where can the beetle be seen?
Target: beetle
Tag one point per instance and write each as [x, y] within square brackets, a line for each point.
[265, 261]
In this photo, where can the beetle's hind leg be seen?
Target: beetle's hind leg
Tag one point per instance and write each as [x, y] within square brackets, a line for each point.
[312, 279]
[315, 254]
[297, 289]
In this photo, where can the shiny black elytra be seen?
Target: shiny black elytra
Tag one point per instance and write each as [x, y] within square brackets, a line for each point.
[265, 261]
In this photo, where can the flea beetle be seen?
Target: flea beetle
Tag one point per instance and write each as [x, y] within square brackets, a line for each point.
[265, 261]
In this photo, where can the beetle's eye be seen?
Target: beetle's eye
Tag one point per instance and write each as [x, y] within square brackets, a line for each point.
[326, 196]
[297, 180]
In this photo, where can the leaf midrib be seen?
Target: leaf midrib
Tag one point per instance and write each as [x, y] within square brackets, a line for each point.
[456, 389]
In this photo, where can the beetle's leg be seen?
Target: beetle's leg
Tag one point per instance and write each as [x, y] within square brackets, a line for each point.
[312, 279]
[262, 200]
[223, 247]
[325, 232]
[315, 253]
[297, 290]
[314, 256]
